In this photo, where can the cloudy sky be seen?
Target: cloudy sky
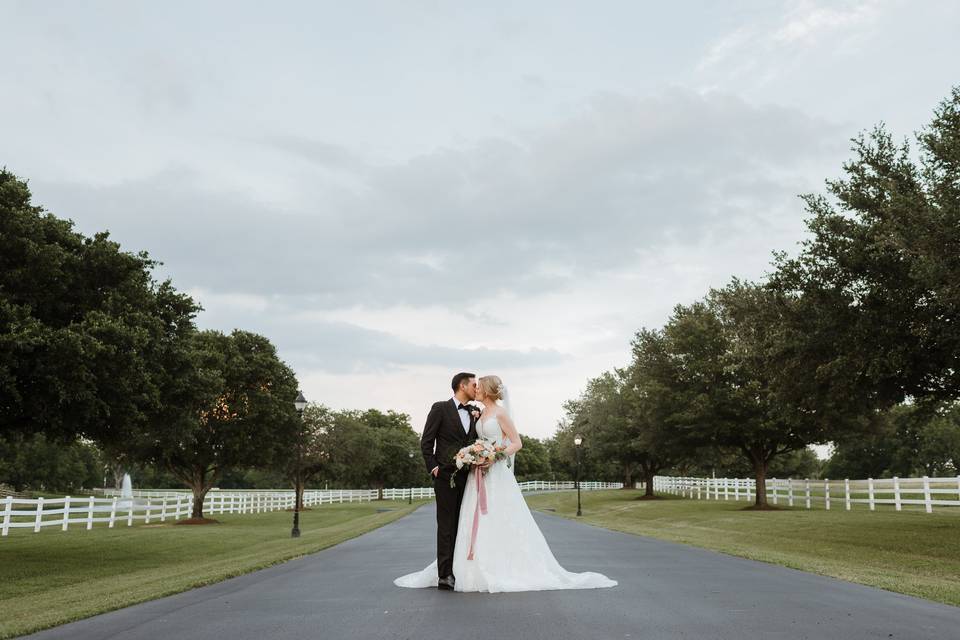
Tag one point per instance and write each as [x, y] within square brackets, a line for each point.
[395, 191]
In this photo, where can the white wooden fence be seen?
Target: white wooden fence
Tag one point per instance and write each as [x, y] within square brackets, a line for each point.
[567, 485]
[872, 492]
[161, 505]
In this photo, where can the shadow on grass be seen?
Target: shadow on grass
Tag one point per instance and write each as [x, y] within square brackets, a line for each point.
[761, 507]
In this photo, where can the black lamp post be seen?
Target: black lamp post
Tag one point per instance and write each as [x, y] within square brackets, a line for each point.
[410, 501]
[577, 441]
[300, 403]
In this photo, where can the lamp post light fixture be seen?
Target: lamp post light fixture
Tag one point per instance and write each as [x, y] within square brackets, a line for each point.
[300, 403]
[578, 441]
[410, 500]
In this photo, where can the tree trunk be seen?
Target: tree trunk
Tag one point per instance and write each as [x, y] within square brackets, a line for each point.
[760, 472]
[200, 490]
[649, 482]
[201, 481]
[628, 478]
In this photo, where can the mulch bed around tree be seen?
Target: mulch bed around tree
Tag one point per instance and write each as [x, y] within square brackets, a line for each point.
[649, 498]
[197, 521]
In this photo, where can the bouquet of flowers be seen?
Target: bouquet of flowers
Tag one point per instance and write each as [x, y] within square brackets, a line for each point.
[478, 453]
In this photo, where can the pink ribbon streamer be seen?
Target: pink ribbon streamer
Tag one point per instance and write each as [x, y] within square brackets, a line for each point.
[480, 508]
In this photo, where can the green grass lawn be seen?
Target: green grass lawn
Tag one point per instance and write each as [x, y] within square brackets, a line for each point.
[909, 552]
[53, 577]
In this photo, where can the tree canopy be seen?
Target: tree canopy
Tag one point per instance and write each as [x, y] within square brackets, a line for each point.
[82, 324]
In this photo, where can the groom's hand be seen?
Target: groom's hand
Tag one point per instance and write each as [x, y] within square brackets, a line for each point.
[435, 472]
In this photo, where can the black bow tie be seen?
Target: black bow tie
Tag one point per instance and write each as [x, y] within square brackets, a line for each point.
[465, 407]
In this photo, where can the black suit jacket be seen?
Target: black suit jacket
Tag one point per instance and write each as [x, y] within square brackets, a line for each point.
[443, 436]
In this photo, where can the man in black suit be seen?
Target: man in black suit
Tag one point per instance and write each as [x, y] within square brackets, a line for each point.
[451, 425]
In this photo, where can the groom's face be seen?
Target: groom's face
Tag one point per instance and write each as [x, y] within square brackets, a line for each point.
[470, 388]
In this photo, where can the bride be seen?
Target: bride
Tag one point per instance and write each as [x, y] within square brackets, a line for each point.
[502, 549]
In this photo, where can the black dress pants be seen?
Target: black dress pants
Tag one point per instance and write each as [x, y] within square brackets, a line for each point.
[448, 516]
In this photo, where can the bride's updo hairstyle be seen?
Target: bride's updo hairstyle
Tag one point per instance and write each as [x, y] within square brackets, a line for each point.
[492, 387]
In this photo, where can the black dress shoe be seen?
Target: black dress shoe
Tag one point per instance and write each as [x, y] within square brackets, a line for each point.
[446, 584]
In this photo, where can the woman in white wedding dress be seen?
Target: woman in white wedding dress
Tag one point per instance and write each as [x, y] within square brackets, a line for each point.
[509, 551]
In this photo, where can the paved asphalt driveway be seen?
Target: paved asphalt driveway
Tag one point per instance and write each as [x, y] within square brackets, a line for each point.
[666, 590]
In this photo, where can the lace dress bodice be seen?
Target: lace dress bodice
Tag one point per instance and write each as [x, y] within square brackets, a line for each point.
[489, 429]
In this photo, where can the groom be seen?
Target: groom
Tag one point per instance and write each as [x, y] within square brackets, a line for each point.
[451, 425]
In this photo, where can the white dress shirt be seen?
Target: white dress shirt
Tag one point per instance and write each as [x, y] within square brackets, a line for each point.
[464, 420]
[464, 415]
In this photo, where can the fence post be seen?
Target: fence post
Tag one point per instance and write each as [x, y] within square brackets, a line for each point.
[807, 489]
[826, 492]
[726, 489]
[790, 491]
[36, 523]
[7, 508]
[846, 493]
[90, 514]
[66, 513]
[927, 504]
[163, 509]
[113, 513]
[146, 513]
[773, 481]
[873, 506]
[896, 493]
[130, 513]
[179, 499]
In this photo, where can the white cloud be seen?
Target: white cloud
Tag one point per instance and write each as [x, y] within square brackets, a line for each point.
[808, 22]
[761, 46]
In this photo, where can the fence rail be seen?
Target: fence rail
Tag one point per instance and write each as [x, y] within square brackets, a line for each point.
[872, 492]
[160, 505]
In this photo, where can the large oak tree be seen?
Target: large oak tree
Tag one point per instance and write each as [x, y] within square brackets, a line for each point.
[227, 402]
[83, 326]
[877, 281]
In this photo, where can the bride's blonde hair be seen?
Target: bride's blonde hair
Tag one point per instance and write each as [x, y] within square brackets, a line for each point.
[492, 387]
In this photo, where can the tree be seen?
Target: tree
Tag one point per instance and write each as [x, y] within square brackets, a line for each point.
[605, 415]
[395, 441]
[314, 454]
[563, 455]
[228, 402]
[656, 442]
[533, 461]
[907, 440]
[876, 281]
[728, 377]
[351, 444]
[33, 461]
[81, 327]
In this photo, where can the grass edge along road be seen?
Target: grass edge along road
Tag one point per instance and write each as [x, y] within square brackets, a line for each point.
[54, 577]
[910, 552]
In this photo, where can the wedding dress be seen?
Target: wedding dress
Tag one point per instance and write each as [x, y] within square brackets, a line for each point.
[509, 551]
